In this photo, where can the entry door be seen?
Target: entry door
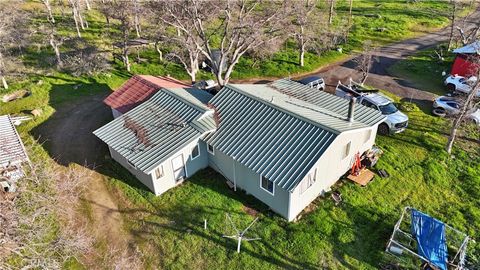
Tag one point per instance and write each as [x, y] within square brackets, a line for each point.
[178, 167]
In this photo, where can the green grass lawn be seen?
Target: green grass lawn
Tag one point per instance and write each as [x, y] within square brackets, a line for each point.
[169, 228]
[424, 70]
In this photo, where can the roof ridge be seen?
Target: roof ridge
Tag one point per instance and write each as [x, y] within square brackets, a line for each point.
[182, 99]
[295, 114]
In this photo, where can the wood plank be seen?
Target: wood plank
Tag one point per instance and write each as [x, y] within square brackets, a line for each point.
[363, 178]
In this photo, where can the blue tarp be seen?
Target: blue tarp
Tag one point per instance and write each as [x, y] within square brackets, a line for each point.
[430, 236]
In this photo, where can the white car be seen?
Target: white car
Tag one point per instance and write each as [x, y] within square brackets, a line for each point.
[457, 83]
[451, 107]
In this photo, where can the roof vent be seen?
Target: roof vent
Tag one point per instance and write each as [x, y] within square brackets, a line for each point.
[351, 109]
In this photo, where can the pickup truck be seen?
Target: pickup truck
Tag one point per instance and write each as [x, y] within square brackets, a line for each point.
[395, 122]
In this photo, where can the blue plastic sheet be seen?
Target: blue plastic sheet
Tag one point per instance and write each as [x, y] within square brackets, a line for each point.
[430, 236]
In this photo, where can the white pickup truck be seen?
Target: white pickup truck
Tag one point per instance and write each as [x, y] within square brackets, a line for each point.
[395, 122]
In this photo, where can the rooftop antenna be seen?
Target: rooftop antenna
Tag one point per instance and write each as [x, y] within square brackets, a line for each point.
[240, 235]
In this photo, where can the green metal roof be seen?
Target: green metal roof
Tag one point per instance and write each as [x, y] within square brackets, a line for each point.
[270, 141]
[161, 126]
[277, 135]
[329, 103]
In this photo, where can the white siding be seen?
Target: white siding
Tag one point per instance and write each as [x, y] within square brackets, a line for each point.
[331, 166]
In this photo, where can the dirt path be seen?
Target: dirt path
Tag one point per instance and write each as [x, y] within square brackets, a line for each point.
[68, 138]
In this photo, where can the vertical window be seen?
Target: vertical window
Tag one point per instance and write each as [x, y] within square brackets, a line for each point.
[195, 152]
[267, 184]
[308, 181]
[347, 150]
[159, 172]
[210, 149]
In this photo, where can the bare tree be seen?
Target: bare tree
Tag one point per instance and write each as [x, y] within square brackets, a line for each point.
[331, 11]
[137, 10]
[13, 35]
[239, 27]
[467, 103]
[468, 30]
[48, 6]
[453, 16]
[304, 25]
[350, 15]
[364, 62]
[123, 11]
[77, 14]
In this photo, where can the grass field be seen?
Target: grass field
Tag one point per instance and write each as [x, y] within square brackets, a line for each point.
[424, 70]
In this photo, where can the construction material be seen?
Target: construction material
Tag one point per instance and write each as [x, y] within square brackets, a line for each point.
[363, 177]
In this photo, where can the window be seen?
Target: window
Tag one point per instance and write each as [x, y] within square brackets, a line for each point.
[368, 136]
[368, 104]
[159, 172]
[195, 152]
[210, 149]
[308, 181]
[267, 184]
[347, 150]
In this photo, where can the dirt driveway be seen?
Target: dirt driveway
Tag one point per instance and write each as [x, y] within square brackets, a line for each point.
[67, 136]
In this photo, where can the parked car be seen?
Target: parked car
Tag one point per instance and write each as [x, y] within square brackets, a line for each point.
[207, 85]
[461, 84]
[395, 122]
[445, 105]
[315, 82]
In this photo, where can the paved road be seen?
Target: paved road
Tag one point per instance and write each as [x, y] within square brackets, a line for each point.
[389, 55]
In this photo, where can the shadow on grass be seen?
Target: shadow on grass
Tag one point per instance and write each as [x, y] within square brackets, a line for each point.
[157, 220]
[67, 134]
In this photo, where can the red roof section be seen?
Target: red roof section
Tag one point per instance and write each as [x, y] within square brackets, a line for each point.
[138, 89]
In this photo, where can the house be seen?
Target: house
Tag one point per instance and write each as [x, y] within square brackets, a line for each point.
[12, 151]
[464, 60]
[136, 90]
[159, 140]
[283, 142]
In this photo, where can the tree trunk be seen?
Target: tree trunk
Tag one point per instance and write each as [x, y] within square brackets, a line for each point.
[80, 18]
[302, 55]
[87, 3]
[4, 82]
[75, 19]
[49, 10]
[126, 61]
[330, 13]
[364, 78]
[453, 134]
[137, 26]
[57, 52]
[350, 13]
[452, 26]
[160, 54]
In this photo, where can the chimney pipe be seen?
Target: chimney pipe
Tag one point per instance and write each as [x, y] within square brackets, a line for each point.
[351, 109]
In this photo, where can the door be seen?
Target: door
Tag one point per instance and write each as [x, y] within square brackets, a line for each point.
[178, 168]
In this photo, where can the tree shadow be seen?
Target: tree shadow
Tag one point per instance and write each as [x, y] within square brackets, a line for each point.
[67, 134]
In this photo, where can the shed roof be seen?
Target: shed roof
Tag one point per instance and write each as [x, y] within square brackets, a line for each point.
[276, 135]
[138, 89]
[470, 48]
[149, 134]
[11, 146]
